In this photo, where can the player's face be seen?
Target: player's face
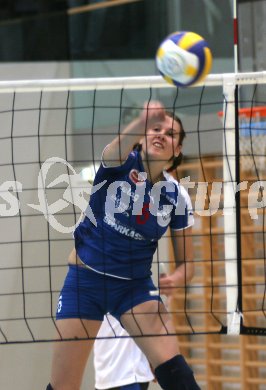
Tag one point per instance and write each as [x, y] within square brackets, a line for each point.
[162, 140]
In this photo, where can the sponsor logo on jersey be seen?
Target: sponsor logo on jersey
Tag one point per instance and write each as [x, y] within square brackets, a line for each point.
[59, 304]
[121, 228]
[137, 177]
[164, 216]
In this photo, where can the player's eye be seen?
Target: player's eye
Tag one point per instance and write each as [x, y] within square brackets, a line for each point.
[171, 133]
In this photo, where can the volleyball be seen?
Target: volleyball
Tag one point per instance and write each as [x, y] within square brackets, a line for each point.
[184, 59]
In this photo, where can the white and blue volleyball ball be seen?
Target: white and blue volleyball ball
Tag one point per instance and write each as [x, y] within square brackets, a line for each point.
[184, 59]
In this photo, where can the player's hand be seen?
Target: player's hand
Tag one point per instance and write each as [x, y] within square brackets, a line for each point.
[153, 112]
[167, 285]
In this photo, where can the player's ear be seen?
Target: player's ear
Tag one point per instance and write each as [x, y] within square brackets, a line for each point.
[178, 150]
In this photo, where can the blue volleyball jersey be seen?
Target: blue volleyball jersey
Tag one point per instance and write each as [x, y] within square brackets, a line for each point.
[132, 214]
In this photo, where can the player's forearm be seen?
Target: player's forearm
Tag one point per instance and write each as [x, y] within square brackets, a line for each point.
[183, 273]
[118, 150]
[179, 278]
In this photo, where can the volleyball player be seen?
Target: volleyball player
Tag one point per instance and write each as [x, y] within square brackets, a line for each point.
[110, 267]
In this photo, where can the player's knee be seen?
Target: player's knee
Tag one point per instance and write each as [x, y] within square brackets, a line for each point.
[49, 387]
[175, 374]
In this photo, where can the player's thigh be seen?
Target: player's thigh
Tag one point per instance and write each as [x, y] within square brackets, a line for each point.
[151, 319]
[70, 357]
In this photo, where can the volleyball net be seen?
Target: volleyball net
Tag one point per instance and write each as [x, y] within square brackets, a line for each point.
[52, 136]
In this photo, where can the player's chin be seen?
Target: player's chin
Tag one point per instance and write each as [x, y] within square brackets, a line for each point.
[157, 153]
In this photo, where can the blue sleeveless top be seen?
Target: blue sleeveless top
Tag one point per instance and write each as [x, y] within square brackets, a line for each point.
[132, 214]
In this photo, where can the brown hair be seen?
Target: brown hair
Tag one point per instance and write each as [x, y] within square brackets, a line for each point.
[177, 160]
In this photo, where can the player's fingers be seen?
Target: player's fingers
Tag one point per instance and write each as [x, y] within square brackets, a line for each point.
[165, 281]
[168, 292]
[154, 110]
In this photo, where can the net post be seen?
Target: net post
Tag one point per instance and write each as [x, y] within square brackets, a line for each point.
[230, 188]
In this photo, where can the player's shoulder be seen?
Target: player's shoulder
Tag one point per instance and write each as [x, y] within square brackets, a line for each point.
[181, 190]
[110, 172]
[131, 158]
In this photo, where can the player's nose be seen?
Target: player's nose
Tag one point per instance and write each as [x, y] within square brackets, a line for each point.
[162, 134]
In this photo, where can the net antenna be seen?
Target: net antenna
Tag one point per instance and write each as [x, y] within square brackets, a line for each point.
[235, 35]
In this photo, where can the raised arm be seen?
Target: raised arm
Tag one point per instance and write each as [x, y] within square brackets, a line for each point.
[118, 150]
[183, 253]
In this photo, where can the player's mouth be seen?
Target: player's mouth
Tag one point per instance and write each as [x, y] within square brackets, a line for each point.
[158, 145]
